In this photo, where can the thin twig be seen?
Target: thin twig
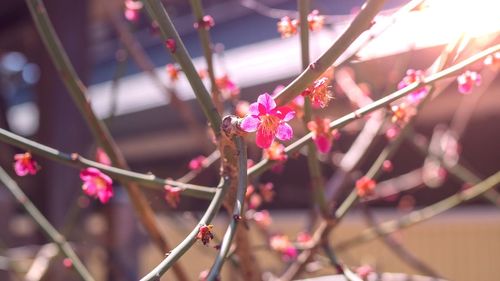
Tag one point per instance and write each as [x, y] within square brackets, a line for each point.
[45, 225]
[237, 211]
[190, 239]
[75, 160]
[100, 132]
[158, 13]
[423, 214]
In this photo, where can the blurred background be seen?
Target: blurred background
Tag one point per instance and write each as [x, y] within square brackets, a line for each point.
[463, 244]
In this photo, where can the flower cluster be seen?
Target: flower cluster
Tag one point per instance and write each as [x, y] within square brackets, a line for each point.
[97, 184]
[24, 164]
[268, 120]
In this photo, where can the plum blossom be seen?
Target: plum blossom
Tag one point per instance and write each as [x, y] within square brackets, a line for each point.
[172, 195]
[228, 88]
[467, 80]
[206, 23]
[196, 164]
[205, 234]
[320, 92]
[365, 186]
[411, 77]
[268, 120]
[315, 20]
[97, 184]
[322, 136]
[282, 244]
[173, 72]
[287, 27]
[25, 164]
[276, 152]
[132, 10]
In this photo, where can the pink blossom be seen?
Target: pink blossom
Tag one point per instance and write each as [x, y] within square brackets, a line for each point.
[132, 10]
[173, 72]
[262, 219]
[322, 136]
[171, 45]
[25, 164]
[267, 191]
[228, 88]
[196, 163]
[97, 184]
[413, 76]
[268, 120]
[467, 80]
[206, 23]
[365, 186]
[172, 195]
[102, 157]
[205, 234]
[315, 20]
[287, 27]
[275, 152]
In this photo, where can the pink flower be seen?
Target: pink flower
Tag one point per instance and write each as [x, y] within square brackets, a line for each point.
[262, 219]
[268, 120]
[467, 80]
[363, 271]
[267, 191]
[196, 164]
[97, 184]
[411, 77]
[287, 27]
[25, 164]
[172, 195]
[205, 234]
[173, 72]
[493, 60]
[276, 152]
[322, 136]
[402, 113]
[228, 88]
[102, 157]
[282, 244]
[132, 10]
[206, 23]
[242, 109]
[320, 92]
[365, 186]
[171, 45]
[315, 20]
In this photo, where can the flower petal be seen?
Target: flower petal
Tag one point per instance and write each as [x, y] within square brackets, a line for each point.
[254, 109]
[285, 132]
[267, 101]
[263, 139]
[285, 113]
[323, 143]
[250, 123]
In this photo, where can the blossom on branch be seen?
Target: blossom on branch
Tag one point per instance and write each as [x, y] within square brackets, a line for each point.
[172, 195]
[365, 186]
[205, 234]
[97, 184]
[413, 76]
[268, 120]
[467, 80]
[207, 22]
[315, 21]
[25, 164]
[287, 27]
[322, 136]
